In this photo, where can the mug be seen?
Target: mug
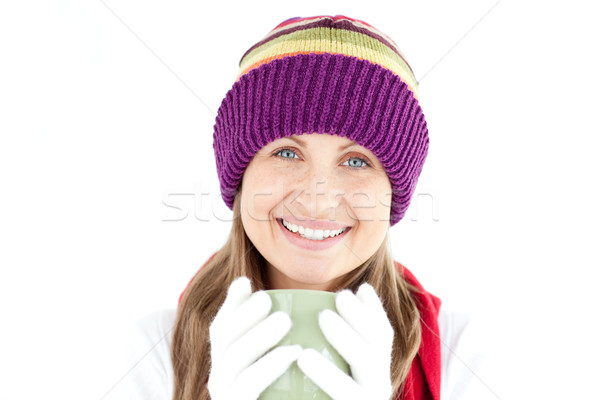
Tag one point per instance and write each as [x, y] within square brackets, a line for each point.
[303, 307]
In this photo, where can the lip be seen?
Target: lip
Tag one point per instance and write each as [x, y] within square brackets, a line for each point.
[307, 244]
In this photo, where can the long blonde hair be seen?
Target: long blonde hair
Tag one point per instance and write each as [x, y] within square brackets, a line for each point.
[190, 348]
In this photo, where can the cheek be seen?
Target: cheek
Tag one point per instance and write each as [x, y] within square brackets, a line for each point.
[371, 200]
[262, 190]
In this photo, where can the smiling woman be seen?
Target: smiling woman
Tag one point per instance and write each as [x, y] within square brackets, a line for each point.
[319, 186]
[319, 145]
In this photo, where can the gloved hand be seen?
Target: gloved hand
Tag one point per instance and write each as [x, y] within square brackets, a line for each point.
[362, 334]
[241, 332]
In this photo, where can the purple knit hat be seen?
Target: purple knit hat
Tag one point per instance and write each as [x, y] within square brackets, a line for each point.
[324, 74]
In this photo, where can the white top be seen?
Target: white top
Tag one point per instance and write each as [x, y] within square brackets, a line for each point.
[150, 375]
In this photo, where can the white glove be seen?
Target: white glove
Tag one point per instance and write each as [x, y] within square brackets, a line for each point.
[241, 332]
[363, 336]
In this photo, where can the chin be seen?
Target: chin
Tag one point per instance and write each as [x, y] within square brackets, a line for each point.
[309, 277]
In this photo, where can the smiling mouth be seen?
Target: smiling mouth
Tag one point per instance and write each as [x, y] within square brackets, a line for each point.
[310, 234]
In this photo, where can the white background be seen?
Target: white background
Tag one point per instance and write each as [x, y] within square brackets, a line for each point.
[106, 116]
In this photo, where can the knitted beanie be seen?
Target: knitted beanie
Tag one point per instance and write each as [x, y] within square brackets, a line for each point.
[324, 74]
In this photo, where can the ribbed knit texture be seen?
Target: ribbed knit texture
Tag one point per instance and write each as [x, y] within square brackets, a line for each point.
[324, 74]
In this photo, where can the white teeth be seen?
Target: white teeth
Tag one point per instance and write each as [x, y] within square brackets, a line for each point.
[317, 234]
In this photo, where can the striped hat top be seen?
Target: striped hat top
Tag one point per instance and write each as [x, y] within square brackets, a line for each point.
[333, 35]
[324, 74]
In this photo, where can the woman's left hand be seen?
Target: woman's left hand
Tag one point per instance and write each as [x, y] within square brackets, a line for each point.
[363, 336]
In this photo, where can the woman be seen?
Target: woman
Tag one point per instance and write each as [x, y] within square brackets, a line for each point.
[319, 145]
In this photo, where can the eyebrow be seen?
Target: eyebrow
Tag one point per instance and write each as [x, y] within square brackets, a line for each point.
[303, 143]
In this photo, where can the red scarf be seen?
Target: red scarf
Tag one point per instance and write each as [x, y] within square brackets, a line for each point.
[424, 377]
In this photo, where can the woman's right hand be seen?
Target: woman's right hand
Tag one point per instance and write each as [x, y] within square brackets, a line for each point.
[240, 334]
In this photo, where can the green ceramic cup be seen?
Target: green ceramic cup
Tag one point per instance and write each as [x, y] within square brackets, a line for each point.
[303, 307]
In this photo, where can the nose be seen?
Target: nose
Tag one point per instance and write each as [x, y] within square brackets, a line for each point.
[320, 196]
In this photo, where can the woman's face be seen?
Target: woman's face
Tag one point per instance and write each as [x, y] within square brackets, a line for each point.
[314, 180]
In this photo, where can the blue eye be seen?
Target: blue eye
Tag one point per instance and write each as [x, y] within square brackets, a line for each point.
[359, 159]
[365, 164]
[285, 150]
